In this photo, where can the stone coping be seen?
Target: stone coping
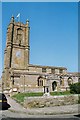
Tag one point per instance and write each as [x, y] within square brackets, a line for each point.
[40, 66]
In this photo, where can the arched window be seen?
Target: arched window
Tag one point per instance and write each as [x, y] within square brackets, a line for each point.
[79, 79]
[40, 81]
[54, 85]
[13, 82]
[70, 81]
[60, 80]
[19, 35]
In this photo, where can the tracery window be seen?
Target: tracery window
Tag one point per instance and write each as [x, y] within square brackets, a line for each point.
[40, 81]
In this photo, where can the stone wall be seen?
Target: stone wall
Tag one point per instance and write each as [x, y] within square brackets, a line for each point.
[38, 68]
[30, 89]
[50, 101]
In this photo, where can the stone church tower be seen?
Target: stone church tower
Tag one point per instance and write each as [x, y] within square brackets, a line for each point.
[19, 73]
[16, 55]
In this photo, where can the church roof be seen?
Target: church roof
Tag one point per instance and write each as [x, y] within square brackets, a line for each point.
[51, 67]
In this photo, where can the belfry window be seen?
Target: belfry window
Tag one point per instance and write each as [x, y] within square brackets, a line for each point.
[19, 35]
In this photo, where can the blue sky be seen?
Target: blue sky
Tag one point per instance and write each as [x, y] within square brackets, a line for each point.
[53, 31]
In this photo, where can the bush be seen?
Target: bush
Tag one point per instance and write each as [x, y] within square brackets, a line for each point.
[75, 88]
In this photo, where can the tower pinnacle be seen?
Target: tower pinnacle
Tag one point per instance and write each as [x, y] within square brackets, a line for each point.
[12, 19]
[27, 21]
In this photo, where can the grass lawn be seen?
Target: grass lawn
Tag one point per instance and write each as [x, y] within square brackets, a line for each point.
[60, 93]
[20, 96]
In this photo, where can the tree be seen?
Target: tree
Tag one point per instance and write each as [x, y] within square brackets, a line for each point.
[75, 88]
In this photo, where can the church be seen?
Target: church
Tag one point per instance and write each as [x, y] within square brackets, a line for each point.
[19, 74]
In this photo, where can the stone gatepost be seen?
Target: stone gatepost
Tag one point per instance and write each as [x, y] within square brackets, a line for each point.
[46, 86]
[11, 84]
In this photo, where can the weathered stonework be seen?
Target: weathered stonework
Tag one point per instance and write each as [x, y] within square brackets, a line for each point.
[34, 102]
[18, 73]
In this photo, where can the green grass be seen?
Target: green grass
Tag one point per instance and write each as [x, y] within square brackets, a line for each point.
[60, 93]
[20, 96]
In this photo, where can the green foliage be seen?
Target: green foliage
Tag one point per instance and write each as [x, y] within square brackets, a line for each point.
[75, 88]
